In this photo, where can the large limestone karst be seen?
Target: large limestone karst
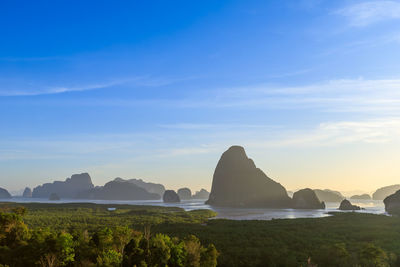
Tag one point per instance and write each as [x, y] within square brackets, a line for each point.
[383, 192]
[327, 195]
[118, 190]
[392, 203]
[202, 194]
[27, 193]
[362, 197]
[346, 205]
[4, 194]
[237, 182]
[69, 188]
[170, 196]
[150, 187]
[54, 197]
[307, 199]
[184, 193]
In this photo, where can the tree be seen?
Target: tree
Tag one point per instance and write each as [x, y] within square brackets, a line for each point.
[65, 249]
[121, 237]
[160, 250]
[209, 256]
[193, 249]
[178, 253]
[55, 249]
[13, 231]
[373, 256]
[332, 255]
[109, 258]
[84, 251]
[14, 236]
[135, 252]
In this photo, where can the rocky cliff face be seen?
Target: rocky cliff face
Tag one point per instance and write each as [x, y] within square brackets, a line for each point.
[328, 195]
[54, 197]
[170, 196]
[202, 194]
[383, 192]
[363, 196]
[150, 187]
[118, 190]
[392, 203]
[237, 182]
[346, 205]
[307, 199]
[27, 193]
[66, 189]
[184, 193]
[4, 193]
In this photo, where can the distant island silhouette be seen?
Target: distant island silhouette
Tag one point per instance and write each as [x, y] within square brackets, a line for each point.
[237, 182]
[383, 192]
[80, 186]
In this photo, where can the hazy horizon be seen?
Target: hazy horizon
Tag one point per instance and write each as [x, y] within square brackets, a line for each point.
[346, 192]
[158, 92]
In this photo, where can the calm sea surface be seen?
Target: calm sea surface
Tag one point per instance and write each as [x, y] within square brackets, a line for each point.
[370, 206]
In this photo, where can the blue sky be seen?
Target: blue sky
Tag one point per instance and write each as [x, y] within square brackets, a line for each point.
[159, 89]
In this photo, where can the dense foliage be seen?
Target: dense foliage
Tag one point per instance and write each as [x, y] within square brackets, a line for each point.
[345, 239]
[103, 246]
[76, 216]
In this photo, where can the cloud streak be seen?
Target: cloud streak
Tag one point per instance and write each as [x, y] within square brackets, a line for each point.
[379, 96]
[139, 81]
[372, 96]
[327, 134]
[366, 13]
[345, 95]
[50, 90]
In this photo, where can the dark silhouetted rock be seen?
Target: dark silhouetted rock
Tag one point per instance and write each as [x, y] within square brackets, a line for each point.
[202, 194]
[362, 197]
[383, 192]
[237, 182]
[4, 194]
[150, 187]
[170, 196]
[70, 188]
[184, 193]
[54, 197]
[27, 193]
[392, 203]
[328, 195]
[346, 205]
[118, 190]
[307, 199]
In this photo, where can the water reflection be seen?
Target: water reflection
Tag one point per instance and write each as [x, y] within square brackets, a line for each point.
[370, 206]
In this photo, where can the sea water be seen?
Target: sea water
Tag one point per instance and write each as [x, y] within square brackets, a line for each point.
[369, 206]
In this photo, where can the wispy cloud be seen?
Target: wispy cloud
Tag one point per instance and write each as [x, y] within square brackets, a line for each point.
[373, 131]
[185, 151]
[48, 90]
[367, 13]
[326, 134]
[210, 126]
[10, 89]
[374, 96]
[378, 40]
[357, 95]
[379, 96]
[30, 59]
